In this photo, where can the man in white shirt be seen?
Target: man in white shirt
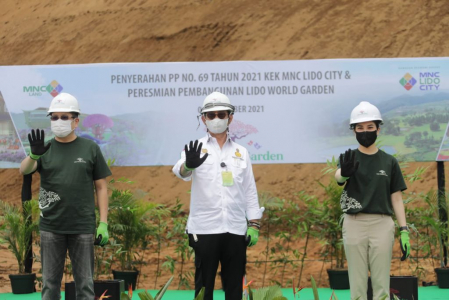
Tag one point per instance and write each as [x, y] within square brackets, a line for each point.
[224, 207]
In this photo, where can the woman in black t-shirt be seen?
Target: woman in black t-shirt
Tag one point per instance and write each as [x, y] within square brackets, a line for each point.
[373, 192]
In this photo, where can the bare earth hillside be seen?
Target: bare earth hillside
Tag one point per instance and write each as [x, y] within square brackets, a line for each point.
[100, 31]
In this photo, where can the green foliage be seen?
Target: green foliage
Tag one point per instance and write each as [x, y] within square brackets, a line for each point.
[439, 228]
[163, 289]
[200, 295]
[427, 118]
[145, 295]
[104, 258]
[18, 228]
[416, 175]
[420, 246]
[160, 226]
[267, 293]
[331, 218]
[316, 296]
[306, 224]
[124, 296]
[271, 220]
[282, 252]
[129, 225]
[391, 127]
[314, 289]
[179, 238]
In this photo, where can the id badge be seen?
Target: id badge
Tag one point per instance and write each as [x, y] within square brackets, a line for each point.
[228, 180]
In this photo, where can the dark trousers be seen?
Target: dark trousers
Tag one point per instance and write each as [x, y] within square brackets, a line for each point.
[53, 252]
[226, 248]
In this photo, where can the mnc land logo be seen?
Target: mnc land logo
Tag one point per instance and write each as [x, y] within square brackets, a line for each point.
[54, 88]
[407, 81]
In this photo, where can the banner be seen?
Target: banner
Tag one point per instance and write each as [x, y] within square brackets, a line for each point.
[286, 111]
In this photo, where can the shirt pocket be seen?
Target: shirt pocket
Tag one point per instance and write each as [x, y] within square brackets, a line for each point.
[239, 166]
[206, 170]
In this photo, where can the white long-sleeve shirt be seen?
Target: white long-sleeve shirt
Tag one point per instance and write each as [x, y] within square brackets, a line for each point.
[215, 208]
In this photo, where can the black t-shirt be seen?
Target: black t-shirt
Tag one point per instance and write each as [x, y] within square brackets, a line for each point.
[66, 196]
[369, 189]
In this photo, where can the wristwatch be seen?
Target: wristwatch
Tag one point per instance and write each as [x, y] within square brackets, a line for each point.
[402, 228]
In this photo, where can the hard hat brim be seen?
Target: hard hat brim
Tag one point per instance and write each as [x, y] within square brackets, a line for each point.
[63, 110]
[367, 119]
[216, 108]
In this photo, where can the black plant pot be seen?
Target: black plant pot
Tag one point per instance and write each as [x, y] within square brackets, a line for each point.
[130, 277]
[23, 283]
[109, 288]
[403, 287]
[442, 277]
[338, 279]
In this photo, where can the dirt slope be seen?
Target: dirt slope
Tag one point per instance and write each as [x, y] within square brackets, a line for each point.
[74, 32]
[70, 32]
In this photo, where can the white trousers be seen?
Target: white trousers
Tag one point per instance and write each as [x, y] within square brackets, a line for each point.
[368, 240]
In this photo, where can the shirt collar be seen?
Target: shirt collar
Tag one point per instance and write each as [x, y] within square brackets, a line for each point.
[209, 137]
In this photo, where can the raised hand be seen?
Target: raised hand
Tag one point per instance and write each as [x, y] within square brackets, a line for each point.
[37, 143]
[193, 159]
[348, 164]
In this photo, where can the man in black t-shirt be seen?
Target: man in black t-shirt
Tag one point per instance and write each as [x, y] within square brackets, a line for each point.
[72, 171]
[372, 193]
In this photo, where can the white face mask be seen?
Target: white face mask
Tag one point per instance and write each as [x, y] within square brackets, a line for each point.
[61, 128]
[217, 125]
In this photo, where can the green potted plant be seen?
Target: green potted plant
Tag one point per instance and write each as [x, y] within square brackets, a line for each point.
[273, 292]
[178, 237]
[440, 230]
[147, 296]
[18, 226]
[331, 230]
[308, 226]
[128, 225]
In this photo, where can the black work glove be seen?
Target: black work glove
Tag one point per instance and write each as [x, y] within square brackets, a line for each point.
[193, 159]
[348, 164]
[37, 143]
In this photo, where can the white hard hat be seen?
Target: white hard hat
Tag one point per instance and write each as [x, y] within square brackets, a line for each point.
[365, 112]
[217, 101]
[64, 103]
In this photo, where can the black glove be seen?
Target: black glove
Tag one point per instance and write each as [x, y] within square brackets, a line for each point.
[193, 159]
[37, 143]
[348, 164]
[97, 241]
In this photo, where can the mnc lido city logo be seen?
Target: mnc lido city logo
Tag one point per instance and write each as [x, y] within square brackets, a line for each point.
[54, 88]
[407, 81]
[428, 81]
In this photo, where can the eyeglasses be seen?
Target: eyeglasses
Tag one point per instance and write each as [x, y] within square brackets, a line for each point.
[63, 117]
[212, 115]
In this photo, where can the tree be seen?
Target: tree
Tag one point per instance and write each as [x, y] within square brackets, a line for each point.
[98, 124]
[434, 126]
[239, 130]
